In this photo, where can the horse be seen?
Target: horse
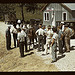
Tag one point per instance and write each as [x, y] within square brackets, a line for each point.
[31, 36]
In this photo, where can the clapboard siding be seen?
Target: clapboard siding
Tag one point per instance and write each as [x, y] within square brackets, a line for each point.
[58, 9]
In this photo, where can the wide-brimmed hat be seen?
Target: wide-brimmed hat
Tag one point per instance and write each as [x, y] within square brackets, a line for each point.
[49, 26]
[62, 22]
[66, 25]
[8, 26]
[19, 21]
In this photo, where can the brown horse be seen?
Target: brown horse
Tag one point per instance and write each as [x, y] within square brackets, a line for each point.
[31, 36]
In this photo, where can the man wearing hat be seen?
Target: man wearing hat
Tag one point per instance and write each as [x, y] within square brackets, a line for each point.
[62, 24]
[67, 38]
[62, 28]
[60, 36]
[49, 35]
[18, 24]
[8, 38]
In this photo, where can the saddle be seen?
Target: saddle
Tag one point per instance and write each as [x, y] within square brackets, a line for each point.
[31, 33]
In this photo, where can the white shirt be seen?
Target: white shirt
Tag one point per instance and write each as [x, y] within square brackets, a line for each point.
[21, 37]
[24, 26]
[18, 35]
[55, 36]
[71, 32]
[63, 28]
[20, 25]
[40, 31]
[17, 26]
[49, 33]
[23, 33]
[14, 30]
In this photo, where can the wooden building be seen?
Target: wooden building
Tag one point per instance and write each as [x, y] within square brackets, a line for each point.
[53, 12]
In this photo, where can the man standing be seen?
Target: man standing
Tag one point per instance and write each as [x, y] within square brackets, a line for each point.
[35, 28]
[40, 32]
[23, 32]
[21, 41]
[67, 38]
[18, 27]
[54, 45]
[14, 31]
[49, 35]
[8, 38]
[63, 27]
[60, 42]
[31, 34]
[44, 28]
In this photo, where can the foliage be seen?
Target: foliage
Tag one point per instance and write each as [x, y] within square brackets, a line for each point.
[24, 11]
[6, 9]
[31, 7]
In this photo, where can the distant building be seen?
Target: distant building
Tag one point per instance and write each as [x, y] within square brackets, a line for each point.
[53, 12]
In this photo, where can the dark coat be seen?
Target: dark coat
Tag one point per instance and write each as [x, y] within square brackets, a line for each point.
[8, 39]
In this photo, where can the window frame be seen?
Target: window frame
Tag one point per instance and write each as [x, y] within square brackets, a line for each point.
[63, 17]
[46, 16]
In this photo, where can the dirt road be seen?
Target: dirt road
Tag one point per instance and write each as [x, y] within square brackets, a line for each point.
[10, 61]
[33, 60]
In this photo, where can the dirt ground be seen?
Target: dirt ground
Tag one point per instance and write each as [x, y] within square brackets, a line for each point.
[10, 61]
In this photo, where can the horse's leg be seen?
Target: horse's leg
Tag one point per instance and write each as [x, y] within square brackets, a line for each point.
[29, 44]
[36, 40]
[33, 42]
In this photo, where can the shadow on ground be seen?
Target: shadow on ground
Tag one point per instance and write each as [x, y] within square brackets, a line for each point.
[29, 54]
[72, 48]
[29, 50]
[59, 57]
[11, 48]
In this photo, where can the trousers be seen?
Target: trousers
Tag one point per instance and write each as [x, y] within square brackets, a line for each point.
[21, 47]
[63, 40]
[48, 42]
[67, 43]
[40, 42]
[8, 42]
[60, 46]
[54, 55]
[15, 38]
[25, 44]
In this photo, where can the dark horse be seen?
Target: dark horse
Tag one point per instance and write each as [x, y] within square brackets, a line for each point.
[32, 36]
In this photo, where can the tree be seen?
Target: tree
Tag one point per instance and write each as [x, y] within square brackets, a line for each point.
[6, 9]
[22, 5]
[31, 7]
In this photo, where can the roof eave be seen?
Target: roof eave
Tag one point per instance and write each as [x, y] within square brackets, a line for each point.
[65, 7]
[60, 4]
[44, 7]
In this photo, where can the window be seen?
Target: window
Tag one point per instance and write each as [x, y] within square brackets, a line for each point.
[46, 16]
[64, 16]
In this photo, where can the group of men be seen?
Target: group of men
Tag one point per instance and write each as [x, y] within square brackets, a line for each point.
[60, 35]
[47, 37]
[51, 40]
[19, 37]
[64, 35]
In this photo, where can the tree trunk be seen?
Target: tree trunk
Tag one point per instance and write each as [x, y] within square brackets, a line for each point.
[22, 12]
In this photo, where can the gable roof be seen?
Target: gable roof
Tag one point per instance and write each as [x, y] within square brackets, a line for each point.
[68, 6]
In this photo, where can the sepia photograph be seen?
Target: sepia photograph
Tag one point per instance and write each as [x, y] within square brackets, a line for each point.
[37, 37]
